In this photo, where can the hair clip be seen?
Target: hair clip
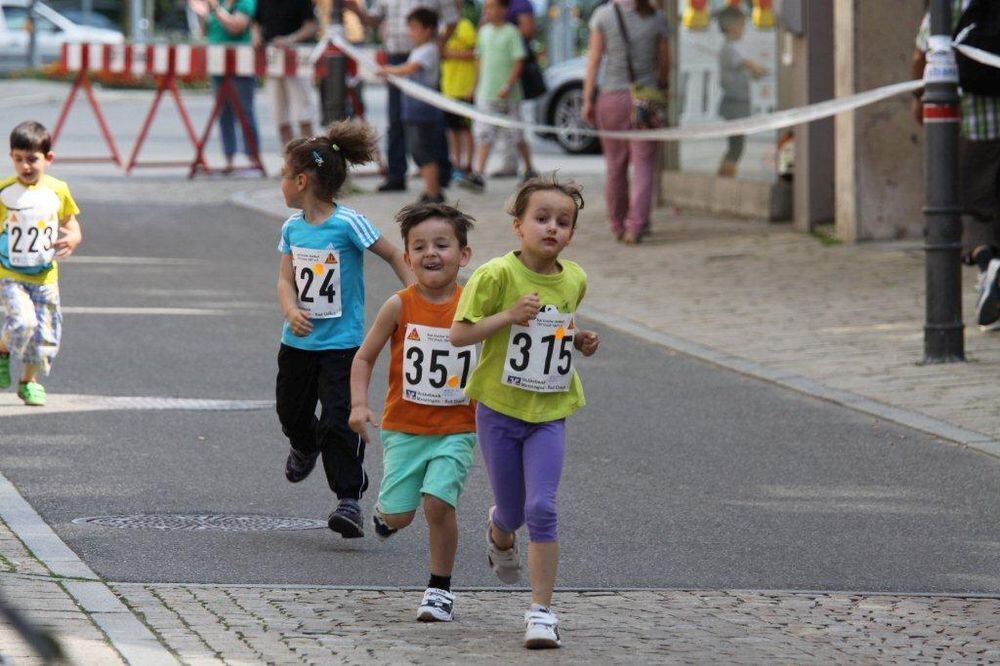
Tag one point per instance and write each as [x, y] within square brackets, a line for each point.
[317, 159]
[335, 147]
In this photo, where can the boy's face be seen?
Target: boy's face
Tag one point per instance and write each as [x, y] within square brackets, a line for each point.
[30, 165]
[548, 223]
[419, 33]
[433, 253]
[494, 11]
[735, 28]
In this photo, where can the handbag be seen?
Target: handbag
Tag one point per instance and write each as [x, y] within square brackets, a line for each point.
[532, 80]
[649, 103]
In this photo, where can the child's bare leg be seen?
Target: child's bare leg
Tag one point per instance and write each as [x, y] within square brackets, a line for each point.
[467, 148]
[429, 172]
[4, 349]
[481, 157]
[502, 540]
[543, 560]
[398, 521]
[454, 147]
[525, 151]
[443, 527]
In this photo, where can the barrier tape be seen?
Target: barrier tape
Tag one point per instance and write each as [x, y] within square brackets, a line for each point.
[711, 130]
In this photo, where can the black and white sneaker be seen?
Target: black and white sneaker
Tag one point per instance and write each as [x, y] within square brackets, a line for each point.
[473, 182]
[299, 465]
[346, 520]
[437, 606]
[988, 303]
[541, 630]
[382, 531]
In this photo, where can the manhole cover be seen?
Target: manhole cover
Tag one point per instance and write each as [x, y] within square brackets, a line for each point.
[195, 522]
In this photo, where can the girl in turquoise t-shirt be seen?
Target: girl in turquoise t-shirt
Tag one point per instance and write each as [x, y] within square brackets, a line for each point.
[523, 305]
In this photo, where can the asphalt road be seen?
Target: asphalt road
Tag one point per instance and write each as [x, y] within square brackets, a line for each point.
[678, 474]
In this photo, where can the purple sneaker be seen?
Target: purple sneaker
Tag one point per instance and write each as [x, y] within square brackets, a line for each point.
[298, 466]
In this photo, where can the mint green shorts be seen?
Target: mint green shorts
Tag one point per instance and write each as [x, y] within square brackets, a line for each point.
[415, 465]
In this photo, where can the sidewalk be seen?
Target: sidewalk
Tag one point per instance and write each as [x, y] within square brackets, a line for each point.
[836, 321]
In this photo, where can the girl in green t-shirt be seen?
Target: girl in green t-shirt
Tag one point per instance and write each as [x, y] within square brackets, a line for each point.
[523, 305]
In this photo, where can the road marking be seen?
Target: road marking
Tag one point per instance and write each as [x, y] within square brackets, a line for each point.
[127, 634]
[138, 262]
[173, 312]
[61, 403]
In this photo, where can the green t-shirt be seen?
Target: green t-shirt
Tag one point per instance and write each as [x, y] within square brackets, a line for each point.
[495, 286]
[498, 49]
[215, 33]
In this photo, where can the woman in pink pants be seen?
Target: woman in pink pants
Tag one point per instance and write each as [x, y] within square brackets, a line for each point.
[628, 206]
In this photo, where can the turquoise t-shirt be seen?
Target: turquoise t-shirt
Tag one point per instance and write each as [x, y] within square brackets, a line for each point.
[349, 234]
[496, 286]
[215, 33]
[498, 49]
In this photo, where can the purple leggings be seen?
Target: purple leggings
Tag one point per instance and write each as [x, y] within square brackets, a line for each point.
[524, 461]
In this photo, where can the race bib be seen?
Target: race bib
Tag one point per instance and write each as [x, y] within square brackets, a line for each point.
[30, 237]
[540, 355]
[317, 277]
[435, 371]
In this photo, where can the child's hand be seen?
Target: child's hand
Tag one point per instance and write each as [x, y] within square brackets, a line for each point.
[524, 309]
[67, 242]
[359, 420]
[503, 92]
[587, 342]
[299, 322]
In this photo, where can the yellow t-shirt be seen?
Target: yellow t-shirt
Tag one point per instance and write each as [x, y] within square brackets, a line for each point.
[495, 286]
[458, 76]
[48, 201]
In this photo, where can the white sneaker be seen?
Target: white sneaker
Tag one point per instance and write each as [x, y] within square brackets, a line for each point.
[506, 564]
[541, 630]
[437, 606]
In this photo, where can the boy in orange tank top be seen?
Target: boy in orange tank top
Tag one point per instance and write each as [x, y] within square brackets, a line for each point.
[428, 424]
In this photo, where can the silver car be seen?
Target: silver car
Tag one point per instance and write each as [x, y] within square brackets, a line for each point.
[52, 31]
[562, 106]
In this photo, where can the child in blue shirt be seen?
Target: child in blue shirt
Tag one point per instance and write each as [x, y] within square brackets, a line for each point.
[321, 292]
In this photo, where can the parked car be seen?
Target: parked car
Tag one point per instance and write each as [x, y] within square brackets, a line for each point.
[562, 106]
[52, 30]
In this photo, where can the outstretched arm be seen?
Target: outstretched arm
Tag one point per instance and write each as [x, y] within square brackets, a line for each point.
[464, 333]
[364, 360]
[392, 256]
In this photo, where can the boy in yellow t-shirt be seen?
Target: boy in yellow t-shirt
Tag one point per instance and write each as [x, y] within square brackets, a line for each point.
[39, 224]
[458, 81]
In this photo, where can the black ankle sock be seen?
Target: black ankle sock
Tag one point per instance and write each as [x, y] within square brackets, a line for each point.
[440, 582]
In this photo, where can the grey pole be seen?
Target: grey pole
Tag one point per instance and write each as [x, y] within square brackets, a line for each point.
[88, 8]
[335, 81]
[33, 56]
[943, 329]
[135, 20]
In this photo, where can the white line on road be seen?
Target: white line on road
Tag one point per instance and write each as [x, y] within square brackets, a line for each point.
[11, 405]
[127, 634]
[135, 261]
[176, 312]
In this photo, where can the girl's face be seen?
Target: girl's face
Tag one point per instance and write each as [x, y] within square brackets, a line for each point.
[546, 227]
[434, 254]
[293, 186]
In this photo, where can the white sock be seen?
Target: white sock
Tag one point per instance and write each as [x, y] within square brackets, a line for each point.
[539, 607]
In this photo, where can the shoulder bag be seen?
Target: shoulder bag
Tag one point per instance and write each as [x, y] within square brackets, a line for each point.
[649, 103]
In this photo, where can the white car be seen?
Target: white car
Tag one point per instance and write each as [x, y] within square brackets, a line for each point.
[52, 30]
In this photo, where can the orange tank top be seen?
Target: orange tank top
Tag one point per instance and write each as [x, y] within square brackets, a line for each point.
[413, 417]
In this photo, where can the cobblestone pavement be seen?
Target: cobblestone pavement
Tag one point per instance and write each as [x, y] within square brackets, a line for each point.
[848, 317]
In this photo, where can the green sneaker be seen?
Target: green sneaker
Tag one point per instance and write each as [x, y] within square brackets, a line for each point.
[4, 371]
[32, 393]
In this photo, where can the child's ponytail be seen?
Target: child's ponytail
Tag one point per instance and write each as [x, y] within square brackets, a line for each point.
[327, 158]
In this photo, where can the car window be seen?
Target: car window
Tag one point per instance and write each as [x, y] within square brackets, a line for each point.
[17, 19]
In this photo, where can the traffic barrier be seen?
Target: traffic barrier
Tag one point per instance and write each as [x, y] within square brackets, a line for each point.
[167, 63]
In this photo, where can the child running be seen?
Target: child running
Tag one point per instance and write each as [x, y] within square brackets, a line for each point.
[322, 295]
[39, 225]
[523, 305]
[428, 425]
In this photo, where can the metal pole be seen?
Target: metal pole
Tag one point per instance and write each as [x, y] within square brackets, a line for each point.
[34, 59]
[943, 329]
[135, 20]
[335, 81]
[88, 8]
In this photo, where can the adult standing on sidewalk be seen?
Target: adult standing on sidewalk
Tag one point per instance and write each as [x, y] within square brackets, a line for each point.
[283, 23]
[391, 14]
[646, 27]
[228, 22]
[978, 156]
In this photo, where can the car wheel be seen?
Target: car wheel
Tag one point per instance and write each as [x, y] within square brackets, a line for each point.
[567, 111]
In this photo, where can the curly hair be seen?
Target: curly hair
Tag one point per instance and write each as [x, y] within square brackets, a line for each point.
[327, 158]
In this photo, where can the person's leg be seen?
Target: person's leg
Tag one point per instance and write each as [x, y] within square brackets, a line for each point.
[543, 460]
[300, 93]
[397, 132]
[432, 182]
[613, 109]
[500, 441]
[44, 344]
[343, 449]
[442, 525]
[246, 89]
[642, 155]
[295, 399]
[439, 152]
[444, 479]
[227, 130]
[403, 464]
[277, 92]
[468, 147]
